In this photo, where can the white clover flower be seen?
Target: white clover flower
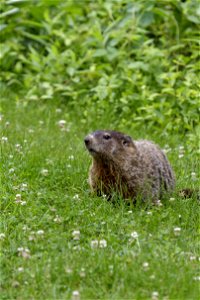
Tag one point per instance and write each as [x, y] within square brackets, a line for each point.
[11, 170]
[25, 255]
[102, 244]
[76, 196]
[94, 244]
[193, 175]
[58, 110]
[18, 147]
[44, 172]
[154, 295]
[53, 209]
[40, 232]
[20, 249]
[23, 187]
[157, 203]
[76, 235]
[20, 269]
[71, 157]
[134, 235]
[18, 196]
[149, 213]
[181, 150]
[24, 252]
[18, 201]
[61, 123]
[171, 199]
[31, 238]
[7, 123]
[57, 219]
[68, 270]
[2, 236]
[166, 150]
[130, 212]
[196, 278]
[180, 156]
[75, 295]
[145, 265]
[177, 231]
[4, 139]
[82, 272]
[192, 257]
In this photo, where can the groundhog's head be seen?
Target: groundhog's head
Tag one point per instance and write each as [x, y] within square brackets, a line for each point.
[109, 144]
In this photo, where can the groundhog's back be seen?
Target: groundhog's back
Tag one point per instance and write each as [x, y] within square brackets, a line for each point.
[156, 166]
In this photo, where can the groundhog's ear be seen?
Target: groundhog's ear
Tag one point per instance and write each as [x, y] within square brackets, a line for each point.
[127, 140]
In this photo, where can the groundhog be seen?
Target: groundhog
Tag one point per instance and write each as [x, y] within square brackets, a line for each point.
[131, 168]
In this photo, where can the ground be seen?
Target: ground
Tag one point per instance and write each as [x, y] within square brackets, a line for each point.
[57, 238]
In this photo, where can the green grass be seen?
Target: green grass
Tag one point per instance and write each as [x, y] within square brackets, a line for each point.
[60, 203]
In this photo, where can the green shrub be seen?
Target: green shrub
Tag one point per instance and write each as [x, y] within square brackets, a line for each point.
[137, 61]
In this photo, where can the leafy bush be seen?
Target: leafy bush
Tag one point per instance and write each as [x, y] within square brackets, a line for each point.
[136, 61]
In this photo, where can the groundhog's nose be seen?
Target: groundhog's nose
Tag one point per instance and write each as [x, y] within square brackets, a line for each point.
[90, 145]
[88, 139]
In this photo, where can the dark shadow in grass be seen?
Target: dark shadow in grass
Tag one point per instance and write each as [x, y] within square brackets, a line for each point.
[117, 201]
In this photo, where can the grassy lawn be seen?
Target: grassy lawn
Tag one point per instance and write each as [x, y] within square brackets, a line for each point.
[69, 68]
[56, 238]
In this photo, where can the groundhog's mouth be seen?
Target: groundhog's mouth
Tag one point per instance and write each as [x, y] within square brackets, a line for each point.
[91, 150]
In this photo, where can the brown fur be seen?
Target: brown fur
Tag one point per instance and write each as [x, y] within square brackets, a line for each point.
[131, 168]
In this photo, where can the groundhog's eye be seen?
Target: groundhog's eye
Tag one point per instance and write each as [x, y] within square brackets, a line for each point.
[107, 136]
[125, 143]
